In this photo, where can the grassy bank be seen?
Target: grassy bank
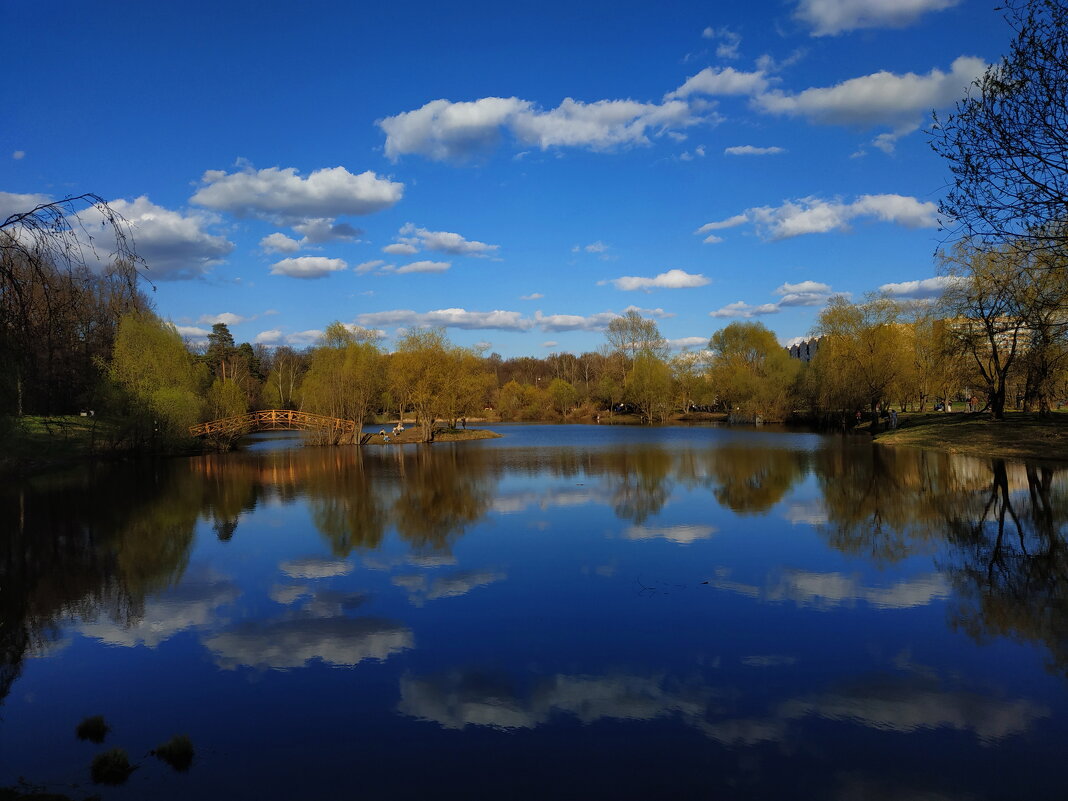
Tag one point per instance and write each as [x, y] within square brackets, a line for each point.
[32, 443]
[1018, 436]
[413, 434]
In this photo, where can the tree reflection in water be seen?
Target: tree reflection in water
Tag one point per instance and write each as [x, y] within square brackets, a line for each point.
[1000, 529]
[1010, 561]
[97, 544]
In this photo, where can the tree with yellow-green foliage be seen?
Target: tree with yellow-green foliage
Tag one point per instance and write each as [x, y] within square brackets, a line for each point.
[436, 380]
[467, 390]
[861, 356]
[159, 384]
[751, 373]
[563, 396]
[345, 378]
[649, 386]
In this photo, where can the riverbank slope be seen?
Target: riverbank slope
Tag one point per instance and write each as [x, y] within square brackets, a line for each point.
[1019, 436]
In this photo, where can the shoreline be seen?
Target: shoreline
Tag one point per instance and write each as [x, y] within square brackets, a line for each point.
[1021, 435]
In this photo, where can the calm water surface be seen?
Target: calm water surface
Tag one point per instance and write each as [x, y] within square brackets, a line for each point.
[564, 613]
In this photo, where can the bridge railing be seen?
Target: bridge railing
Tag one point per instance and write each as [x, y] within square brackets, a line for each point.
[272, 420]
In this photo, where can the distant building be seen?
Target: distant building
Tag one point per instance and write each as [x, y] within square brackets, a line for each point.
[805, 350]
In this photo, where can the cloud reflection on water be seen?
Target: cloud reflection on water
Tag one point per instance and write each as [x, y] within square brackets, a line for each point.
[826, 591]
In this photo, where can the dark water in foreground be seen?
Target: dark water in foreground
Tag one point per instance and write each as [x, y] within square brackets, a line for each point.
[566, 613]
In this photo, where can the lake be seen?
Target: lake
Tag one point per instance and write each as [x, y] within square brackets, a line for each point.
[567, 612]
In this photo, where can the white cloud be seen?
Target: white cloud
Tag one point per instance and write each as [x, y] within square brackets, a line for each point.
[832, 17]
[368, 266]
[658, 312]
[279, 243]
[451, 318]
[551, 343]
[281, 194]
[722, 81]
[682, 535]
[318, 230]
[18, 155]
[271, 337]
[672, 279]
[730, 222]
[309, 337]
[752, 150]
[811, 215]
[175, 246]
[308, 266]
[574, 322]
[400, 249]
[882, 98]
[294, 643]
[229, 318]
[926, 288]
[729, 41]
[532, 296]
[805, 293]
[193, 604]
[425, 267]
[687, 342]
[745, 310]
[445, 242]
[193, 332]
[313, 567]
[447, 131]
[593, 247]
[12, 203]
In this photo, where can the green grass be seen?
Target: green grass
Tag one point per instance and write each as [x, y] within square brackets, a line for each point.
[51, 438]
[1019, 436]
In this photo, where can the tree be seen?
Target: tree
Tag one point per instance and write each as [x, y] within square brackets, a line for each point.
[861, 356]
[985, 305]
[650, 386]
[221, 351]
[158, 377]
[283, 381]
[345, 378]
[632, 334]
[418, 374]
[563, 396]
[751, 372]
[468, 385]
[60, 300]
[1007, 141]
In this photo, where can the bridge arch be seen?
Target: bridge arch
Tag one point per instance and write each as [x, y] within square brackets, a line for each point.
[276, 420]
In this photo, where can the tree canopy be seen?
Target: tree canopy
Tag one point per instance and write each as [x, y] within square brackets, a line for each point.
[1007, 140]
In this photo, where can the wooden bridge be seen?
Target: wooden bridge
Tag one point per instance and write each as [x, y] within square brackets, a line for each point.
[337, 430]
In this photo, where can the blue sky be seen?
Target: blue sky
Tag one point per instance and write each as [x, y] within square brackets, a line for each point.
[519, 173]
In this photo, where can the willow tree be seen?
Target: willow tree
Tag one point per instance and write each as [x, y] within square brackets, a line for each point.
[436, 380]
[751, 372]
[158, 380]
[345, 378]
[62, 292]
[861, 356]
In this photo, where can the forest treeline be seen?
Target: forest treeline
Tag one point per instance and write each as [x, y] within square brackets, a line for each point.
[998, 333]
